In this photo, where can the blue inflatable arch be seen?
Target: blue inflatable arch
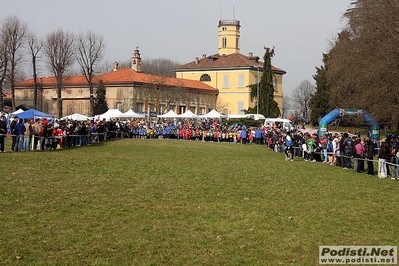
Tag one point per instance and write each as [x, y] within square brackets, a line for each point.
[374, 126]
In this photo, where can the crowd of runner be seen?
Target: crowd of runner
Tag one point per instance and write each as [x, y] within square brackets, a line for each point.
[349, 151]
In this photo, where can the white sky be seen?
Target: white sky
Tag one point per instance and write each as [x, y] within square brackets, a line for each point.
[181, 30]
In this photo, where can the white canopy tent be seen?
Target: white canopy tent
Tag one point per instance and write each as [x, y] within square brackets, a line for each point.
[213, 114]
[18, 111]
[111, 113]
[169, 114]
[76, 116]
[188, 114]
[132, 114]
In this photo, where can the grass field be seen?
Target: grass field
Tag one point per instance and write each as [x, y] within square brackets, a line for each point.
[159, 202]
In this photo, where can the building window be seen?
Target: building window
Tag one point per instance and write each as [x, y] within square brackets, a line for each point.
[26, 95]
[119, 106]
[139, 107]
[205, 77]
[237, 43]
[241, 81]
[161, 108]
[202, 110]
[240, 108]
[224, 42]
[192, 109]
[226, 81]
[275, 84]
[182, 109]
[224, 28]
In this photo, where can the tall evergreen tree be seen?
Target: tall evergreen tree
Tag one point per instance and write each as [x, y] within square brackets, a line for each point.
[319, 104]
[267, 105]
[100, 102]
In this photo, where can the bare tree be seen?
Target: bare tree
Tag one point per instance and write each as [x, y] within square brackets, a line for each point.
[158, 85]
[3, 66]
[90, 48]
[221, 106]
[301, 97]
[286, 105]
[159, 66]
[14, 32]
[35, 46]
[60, 54]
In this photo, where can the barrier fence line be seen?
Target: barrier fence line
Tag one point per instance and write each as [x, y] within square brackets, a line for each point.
[124, 134]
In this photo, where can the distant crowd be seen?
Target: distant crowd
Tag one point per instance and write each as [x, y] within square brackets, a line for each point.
[349, 151]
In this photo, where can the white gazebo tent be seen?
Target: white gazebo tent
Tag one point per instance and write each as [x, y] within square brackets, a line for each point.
[188, 114]
[76, 116]
[111, 113]
[213, 114]
[169, 114]
[18, 111]
[132, 114]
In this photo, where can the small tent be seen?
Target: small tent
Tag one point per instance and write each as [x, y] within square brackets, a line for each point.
[33, 114]
[76, 117]
[188, 114]
[111, 113]
[213, 114]
[18, 111]
[169, 114]
[132, 114]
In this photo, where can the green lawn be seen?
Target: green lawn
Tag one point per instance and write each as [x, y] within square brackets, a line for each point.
[160, 202]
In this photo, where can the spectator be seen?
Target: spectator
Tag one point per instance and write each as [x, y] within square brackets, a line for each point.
[19, 132]
[347, 151]
[370, 156]
[289, 153]
[3, 132]
[382, 159]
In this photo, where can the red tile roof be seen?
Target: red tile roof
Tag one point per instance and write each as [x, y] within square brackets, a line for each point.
[127, 75]
[121, 77]
[217, 61]
[51, 81]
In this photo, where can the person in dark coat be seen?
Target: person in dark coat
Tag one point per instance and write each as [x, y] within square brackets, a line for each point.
[370, 146]
[12, 130]
[3, 133]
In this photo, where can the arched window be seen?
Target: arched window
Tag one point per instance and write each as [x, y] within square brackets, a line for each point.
[205, 77]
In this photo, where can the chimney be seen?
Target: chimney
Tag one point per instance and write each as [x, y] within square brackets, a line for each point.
[251, 54]
[196, 60]
[203, 56]
[115, 66]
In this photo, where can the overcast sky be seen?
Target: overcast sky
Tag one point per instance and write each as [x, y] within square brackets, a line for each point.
[181, 30]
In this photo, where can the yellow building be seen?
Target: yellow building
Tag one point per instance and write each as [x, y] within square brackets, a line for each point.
[231, 72]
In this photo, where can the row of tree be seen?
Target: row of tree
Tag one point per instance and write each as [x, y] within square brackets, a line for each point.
[361, 68]
[58, 52]
[60, 48]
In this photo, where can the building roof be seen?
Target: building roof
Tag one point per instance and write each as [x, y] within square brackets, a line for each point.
[120, 77]
[127, 75]
[51, 81]
[231, 61]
